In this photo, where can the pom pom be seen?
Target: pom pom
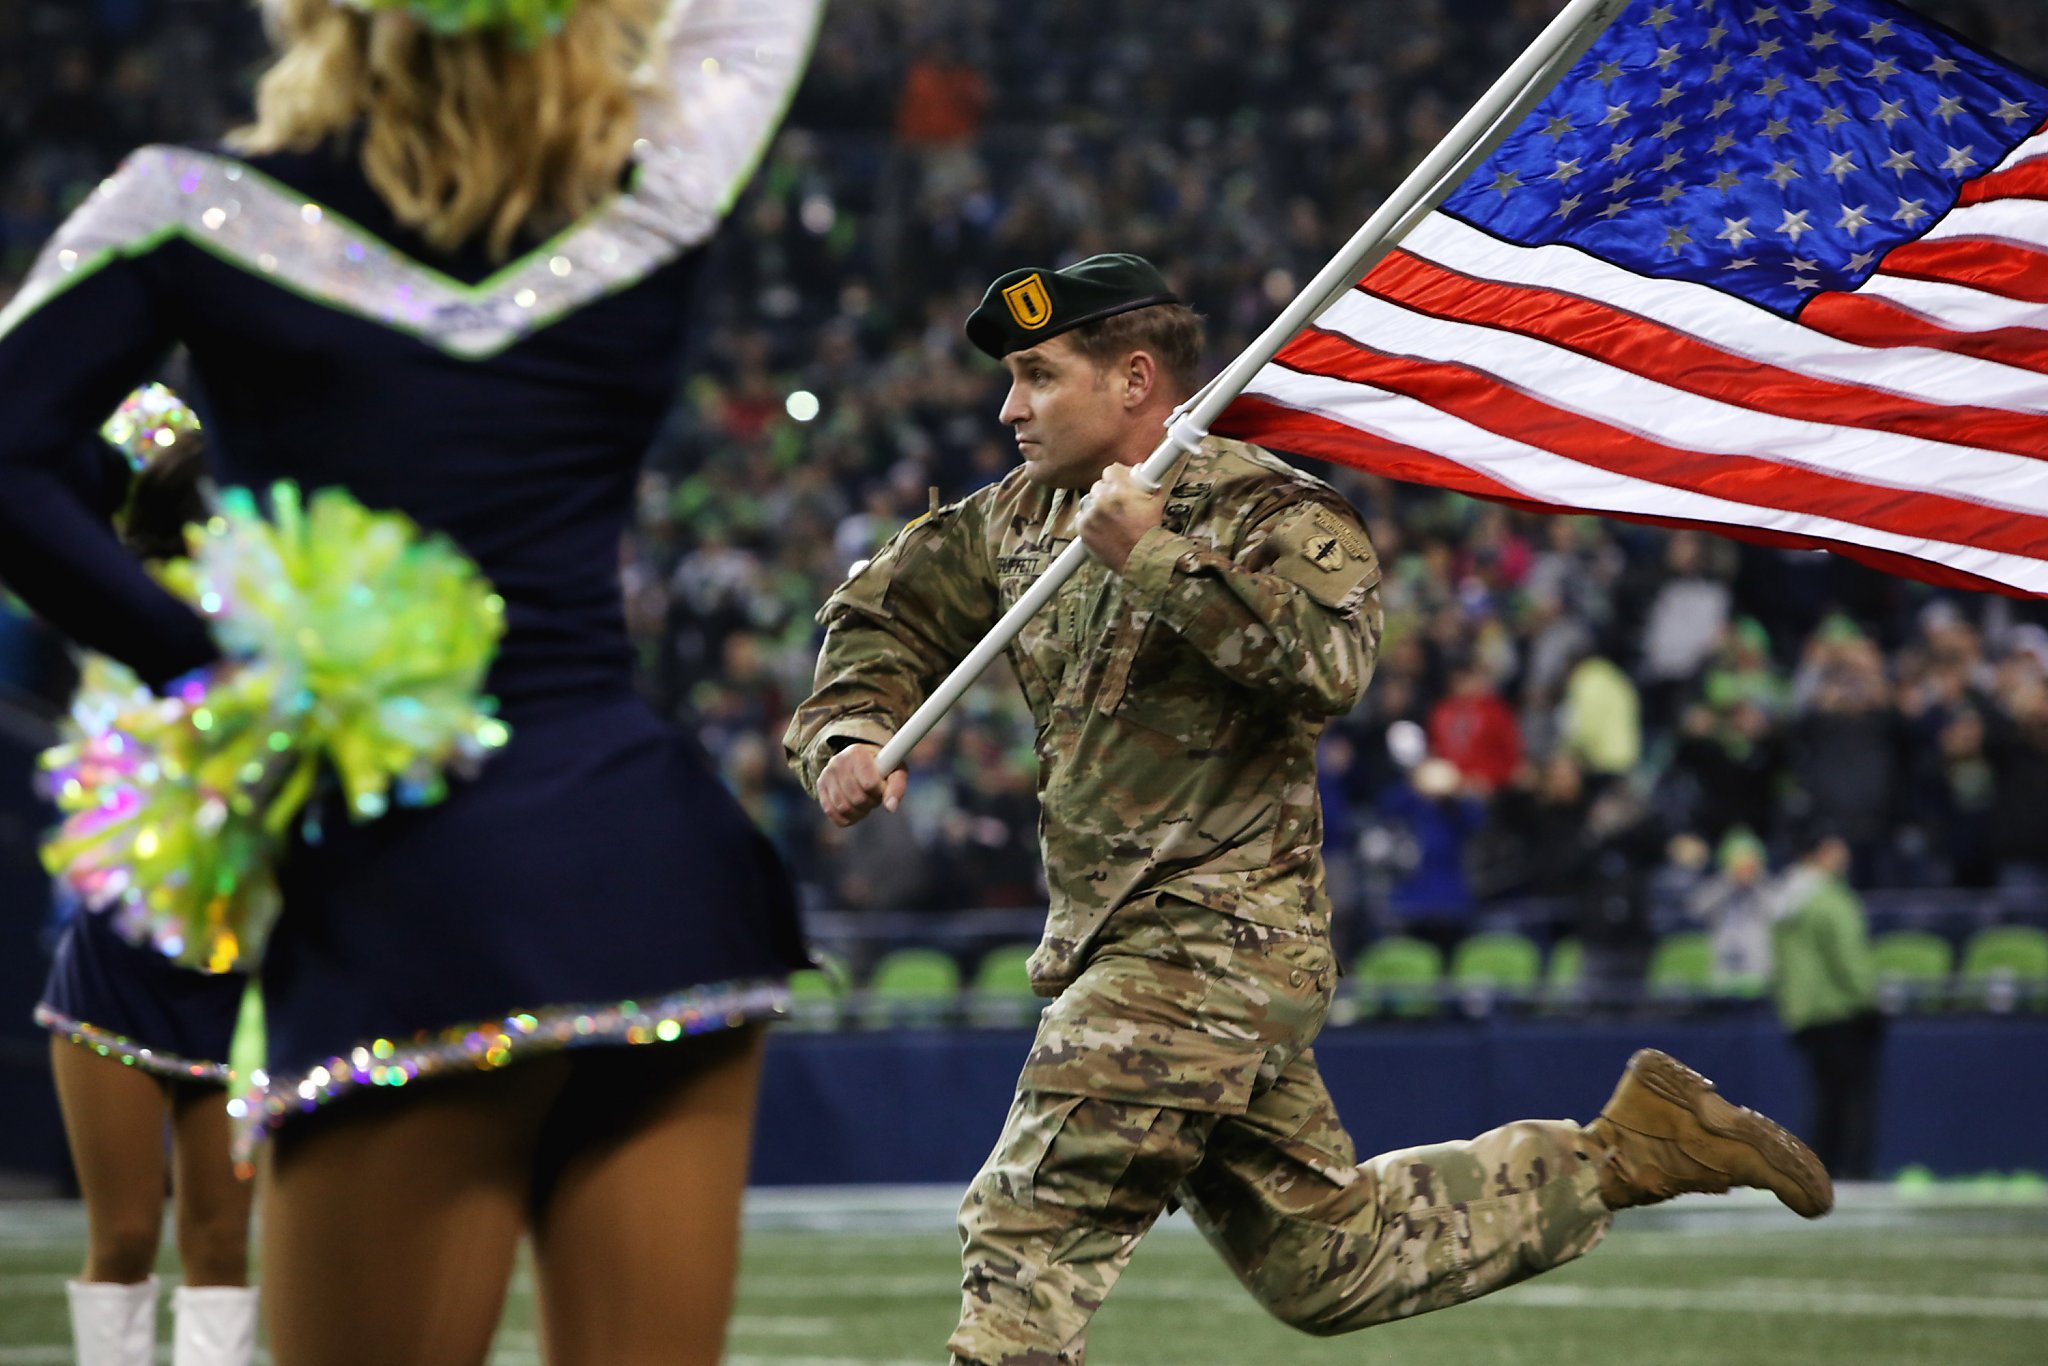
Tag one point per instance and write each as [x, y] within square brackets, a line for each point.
[357, 643]
[149, 422]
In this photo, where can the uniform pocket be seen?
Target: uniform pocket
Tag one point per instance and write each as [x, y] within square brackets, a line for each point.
[1142, 1063]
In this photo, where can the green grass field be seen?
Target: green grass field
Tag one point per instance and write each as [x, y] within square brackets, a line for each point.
[865, 1279]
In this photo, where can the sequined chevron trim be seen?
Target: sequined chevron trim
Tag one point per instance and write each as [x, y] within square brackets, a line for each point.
[732, 67]
[108, 1044]
[482, 1047]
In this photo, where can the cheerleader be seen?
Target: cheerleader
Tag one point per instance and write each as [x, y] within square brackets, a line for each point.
[139, 1045]
[449, 269]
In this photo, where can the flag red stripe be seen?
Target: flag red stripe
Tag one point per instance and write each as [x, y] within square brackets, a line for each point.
[1487, 402]
[2011, 269]
[1280, 428]
[1878, 322]
[2028, 180]
[1644, 347]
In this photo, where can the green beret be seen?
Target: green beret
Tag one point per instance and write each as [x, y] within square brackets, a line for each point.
[1024, 307]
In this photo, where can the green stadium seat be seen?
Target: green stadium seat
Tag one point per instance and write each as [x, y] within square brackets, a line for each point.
[1681, 968]
[1001, 994]
[818, 996]
[1913, 969]
[917, 987]
[1399, 976]
[1564, 975]
[1495, 966]
[2005, 967]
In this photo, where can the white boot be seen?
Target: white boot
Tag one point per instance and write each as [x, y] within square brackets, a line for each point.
[112, 1324]
[215, 1325]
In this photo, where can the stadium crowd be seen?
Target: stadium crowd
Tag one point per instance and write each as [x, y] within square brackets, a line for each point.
[1566, 709]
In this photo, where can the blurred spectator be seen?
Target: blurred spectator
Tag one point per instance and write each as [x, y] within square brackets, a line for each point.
[1735, 905]
[1434, 815]
[1475, 731]
[1826, 989]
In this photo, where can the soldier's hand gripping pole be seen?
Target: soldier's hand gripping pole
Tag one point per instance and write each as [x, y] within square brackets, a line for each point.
[1518, 91]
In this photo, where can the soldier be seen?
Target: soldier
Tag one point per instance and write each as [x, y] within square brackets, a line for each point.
[1180, 681]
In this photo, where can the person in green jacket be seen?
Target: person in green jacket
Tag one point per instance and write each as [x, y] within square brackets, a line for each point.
[1825, 983]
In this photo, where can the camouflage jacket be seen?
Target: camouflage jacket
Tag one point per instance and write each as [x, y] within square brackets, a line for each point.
[1178, 705]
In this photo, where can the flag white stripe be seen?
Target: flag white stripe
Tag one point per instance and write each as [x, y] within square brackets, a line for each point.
[1957, 307]
[2008, 220]
[1545, 477]
[2035, 146]
[1735, 325]
[1608, 394]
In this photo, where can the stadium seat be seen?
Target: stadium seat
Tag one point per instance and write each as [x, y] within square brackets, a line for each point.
[1001, 994]
[1913, 968]
[1681, 968]
[817, 996]
[1495, 966]
[1399, 976]
[917, 987]
[1564, 974]
[2005, 967]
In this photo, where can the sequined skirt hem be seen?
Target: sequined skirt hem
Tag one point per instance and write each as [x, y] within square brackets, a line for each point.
[389, 1063]
[108, 1044]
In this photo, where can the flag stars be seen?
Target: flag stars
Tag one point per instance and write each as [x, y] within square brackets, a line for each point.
[1619, 150]
[1943, 66]
[1882, 70]
[1677, 239]
[1721, 108]
[1902, 161]
[1825, 76]
[1609, 73]
[1774, 87]
[1817, 8]
[1803, 283]
[1659, 17]
[1879, 31]
[1667, 56]
[1741, 263]
[1670, 195]
[1670, 130]
[1795, 225]
[1619, 183]
[1911, 212]
[1720, 72]
[2009, 113]
[1726, 182]
[1862, 260]
[1616, 113]
[1566, 170]
[1822, 40]
[1854, 220]
[1734, 231]
[1614, 210]
[1842, 165]
[1767, 49]
[1506, 183]
[1889, 112]
[1567, 208]
[1834, 116]
[1948, 108]
[1723, 144]
[1669, 94]
[1764, 14]
[1783, 173]
[1672, 161]
[1960, 160]
[1777, 128]
[1558, 127]
[1714, 36]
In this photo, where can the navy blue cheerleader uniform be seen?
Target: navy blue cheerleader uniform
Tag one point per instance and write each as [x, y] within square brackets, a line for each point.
[134, 1004]
[594, 884]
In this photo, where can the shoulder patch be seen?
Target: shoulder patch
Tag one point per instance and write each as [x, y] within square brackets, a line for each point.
[1324, 553]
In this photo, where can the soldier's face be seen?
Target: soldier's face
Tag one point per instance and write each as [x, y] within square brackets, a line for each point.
[1068, 415]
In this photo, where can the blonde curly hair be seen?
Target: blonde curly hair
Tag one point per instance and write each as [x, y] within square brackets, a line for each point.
[462, 134]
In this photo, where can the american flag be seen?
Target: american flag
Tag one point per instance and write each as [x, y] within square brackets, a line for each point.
[1780, 270]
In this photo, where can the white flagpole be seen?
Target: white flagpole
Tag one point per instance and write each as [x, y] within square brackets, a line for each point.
[1485, 126]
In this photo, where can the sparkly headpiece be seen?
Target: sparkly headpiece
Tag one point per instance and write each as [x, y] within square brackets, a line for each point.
[528, 21]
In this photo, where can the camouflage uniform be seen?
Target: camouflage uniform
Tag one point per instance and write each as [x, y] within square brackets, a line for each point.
[1178, 709]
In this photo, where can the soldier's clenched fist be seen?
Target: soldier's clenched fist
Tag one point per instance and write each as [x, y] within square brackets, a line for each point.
[852, 785]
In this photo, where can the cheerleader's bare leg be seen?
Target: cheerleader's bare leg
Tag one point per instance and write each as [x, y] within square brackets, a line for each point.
[390, 1223]
[209, 1202]
[637, 1202]
[114, 1117]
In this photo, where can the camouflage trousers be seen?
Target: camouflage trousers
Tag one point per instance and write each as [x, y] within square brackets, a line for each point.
[1176, 1068]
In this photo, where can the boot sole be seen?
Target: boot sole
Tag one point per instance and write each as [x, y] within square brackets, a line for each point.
[1802, 1183]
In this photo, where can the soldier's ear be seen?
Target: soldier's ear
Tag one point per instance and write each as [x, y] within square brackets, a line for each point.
[1141, 372]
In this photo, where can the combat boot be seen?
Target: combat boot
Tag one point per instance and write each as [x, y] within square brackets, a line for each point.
[1666, 1132]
